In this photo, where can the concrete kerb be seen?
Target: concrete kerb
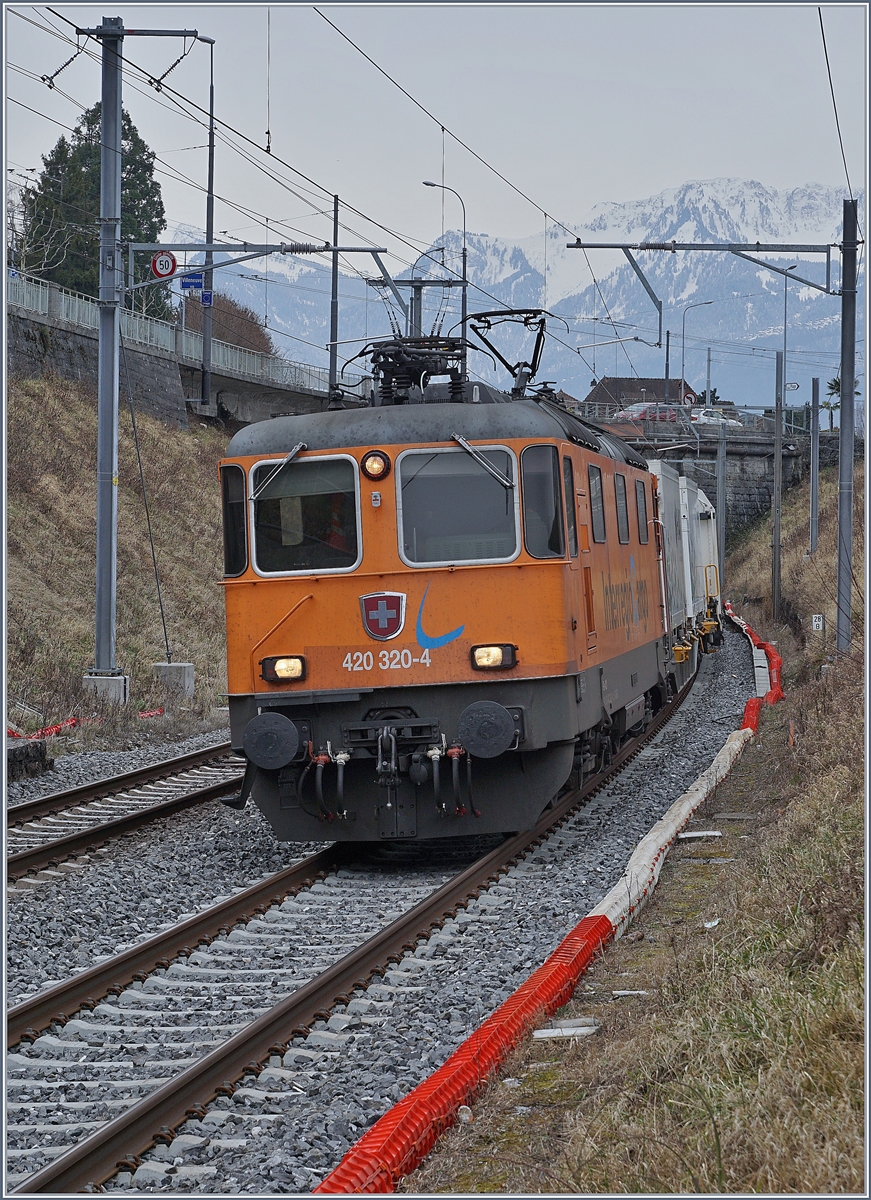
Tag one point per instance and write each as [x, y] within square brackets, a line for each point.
[636, 885]
[400, 1140]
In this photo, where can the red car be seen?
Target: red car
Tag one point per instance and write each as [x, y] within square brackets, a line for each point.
[647, 412]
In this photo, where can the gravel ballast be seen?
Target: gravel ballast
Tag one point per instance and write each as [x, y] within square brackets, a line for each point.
[74, 770]
[284, 1130]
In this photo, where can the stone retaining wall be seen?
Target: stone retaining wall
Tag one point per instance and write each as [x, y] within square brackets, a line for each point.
[37, 347]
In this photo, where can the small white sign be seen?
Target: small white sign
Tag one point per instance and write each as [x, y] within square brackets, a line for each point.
[818, 622]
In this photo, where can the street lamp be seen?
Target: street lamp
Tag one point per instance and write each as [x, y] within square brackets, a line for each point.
[429, 183]
[683, 329]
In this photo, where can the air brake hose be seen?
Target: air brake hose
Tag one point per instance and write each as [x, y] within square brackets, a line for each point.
[434, 754]
[476, 811]
[454, 755]
[341, 759]
[321, 761]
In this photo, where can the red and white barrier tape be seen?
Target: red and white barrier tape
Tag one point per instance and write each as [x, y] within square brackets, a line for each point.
[51, 730]
[400, 1140]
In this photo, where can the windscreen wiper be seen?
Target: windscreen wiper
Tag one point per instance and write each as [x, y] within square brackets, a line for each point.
[299, 446]
[483, 462]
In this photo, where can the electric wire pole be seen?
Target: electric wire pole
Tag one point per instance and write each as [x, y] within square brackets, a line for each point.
[721, 503]
[778, 487]
[105, 678]
[815, 465]
[208, 276]
[335, 400]
[845, 440]
[105, 675]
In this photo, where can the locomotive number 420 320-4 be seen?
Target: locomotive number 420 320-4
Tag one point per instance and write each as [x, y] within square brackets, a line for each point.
[388, 660]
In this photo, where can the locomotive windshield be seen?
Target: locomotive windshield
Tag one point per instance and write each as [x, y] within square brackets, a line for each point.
[305, 518]
[452, 510]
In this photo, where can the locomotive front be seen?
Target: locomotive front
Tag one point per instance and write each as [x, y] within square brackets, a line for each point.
[376, 578]
[439, 605]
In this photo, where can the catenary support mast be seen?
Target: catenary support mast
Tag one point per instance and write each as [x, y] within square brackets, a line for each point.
[105, 677]
[845, 441]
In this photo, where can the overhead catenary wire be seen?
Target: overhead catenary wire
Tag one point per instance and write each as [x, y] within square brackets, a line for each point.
[145, 500]
[835, 104]
[469, 149]
[326, 192]
[178, 97]
[179, 101]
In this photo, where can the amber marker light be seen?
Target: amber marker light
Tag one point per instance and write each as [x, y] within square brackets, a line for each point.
[288, 668]
[376, 465]
[494, 658]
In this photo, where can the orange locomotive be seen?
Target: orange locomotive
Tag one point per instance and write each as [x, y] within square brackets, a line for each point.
[439, 606]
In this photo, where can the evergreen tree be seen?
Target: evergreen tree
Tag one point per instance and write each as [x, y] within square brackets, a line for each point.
[702, 398]
[60, 211]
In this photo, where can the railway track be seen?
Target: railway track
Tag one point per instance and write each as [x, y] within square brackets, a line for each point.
[295, 960]
[42, 834]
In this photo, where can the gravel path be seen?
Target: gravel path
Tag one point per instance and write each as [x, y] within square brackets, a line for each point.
[284, 1130]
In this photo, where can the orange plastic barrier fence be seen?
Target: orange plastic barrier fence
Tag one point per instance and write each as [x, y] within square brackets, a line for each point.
[403, 1137]
[753, 707]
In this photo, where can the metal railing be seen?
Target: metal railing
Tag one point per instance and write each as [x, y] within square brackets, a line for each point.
[24, 292]
[47, 299]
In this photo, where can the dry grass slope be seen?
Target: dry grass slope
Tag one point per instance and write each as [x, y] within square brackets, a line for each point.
[51, 481]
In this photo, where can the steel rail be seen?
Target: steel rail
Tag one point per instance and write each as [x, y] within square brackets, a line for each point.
[17, 814]
[120, 1142]
[25, 1021]
[50, 853]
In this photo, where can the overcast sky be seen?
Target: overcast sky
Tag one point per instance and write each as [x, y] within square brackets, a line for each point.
[574, 104]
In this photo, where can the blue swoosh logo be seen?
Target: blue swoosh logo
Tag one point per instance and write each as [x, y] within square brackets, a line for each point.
[433, 643]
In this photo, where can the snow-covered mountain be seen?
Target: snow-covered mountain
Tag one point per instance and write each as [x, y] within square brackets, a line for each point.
[743, 324]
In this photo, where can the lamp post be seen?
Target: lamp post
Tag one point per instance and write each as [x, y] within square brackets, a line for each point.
[683, 330]
[429, 183]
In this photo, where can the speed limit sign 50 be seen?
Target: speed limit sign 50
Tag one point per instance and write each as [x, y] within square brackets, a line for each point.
[163, 264]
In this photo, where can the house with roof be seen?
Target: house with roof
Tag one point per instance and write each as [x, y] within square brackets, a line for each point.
[611, 393]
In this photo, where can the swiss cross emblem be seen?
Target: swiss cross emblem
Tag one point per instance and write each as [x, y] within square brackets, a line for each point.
[383, 614]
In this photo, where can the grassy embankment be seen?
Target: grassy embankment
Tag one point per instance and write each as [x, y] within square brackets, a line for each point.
[741, 1070]
[51, 541]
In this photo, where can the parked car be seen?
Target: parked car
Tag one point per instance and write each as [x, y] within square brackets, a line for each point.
[714, 416]
[647, 412]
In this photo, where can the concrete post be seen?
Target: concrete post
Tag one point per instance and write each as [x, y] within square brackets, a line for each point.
[53, 300]
[177, 678]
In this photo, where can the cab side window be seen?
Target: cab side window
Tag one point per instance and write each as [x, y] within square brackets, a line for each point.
[235, 539]
[641, 506]
[597, 504]
[622, 509]
[571, 511]
[542, 504]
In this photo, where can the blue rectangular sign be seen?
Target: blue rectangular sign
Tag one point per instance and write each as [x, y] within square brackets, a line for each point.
[192, 281]
[206, 299]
